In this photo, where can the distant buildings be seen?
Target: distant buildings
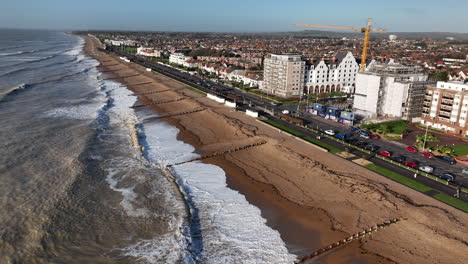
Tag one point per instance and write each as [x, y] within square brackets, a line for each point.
[390, 90]
[283, 75]
[148, 52]
[446, 106]
[335, 75]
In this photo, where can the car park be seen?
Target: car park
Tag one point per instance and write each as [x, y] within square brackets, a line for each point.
[428, 155]
[366, 136]
[371, 148]
[385, 154]
[411, 164]
[446, 176]
[412, 149]
[398, 158]
[361, 144]
[447, 159]
[329, 132]
[426, 168]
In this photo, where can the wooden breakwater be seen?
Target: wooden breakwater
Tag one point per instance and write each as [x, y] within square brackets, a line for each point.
[175, 114]
[347, 240]
[219, 153]
[159, 102]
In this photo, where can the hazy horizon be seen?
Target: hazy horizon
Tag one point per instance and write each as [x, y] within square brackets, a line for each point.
[233, 17]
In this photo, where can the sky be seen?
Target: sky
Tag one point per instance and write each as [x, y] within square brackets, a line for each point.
[234, 15]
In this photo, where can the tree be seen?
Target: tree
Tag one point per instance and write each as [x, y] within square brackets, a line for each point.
[440, 76]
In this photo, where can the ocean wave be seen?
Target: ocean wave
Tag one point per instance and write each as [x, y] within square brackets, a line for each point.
[78, 112]
[230, 229]
[13, 90]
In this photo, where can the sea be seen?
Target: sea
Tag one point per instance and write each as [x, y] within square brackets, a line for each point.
[85, 179]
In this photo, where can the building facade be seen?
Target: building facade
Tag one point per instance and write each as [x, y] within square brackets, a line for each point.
[390, 90]
[446, 107]
[148, 52]
[335, 75]
[180, 59]
[283, 75]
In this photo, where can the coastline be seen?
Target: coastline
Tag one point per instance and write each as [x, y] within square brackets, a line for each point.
[312, 198]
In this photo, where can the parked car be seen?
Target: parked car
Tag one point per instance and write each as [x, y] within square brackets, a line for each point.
[446, 176]
[427, 169]
[343, 136]
[351, 140]
[448, 159]
[385, 154]
[354, 129]
[465, 171]
[411, 164]
[398, 158]
[371, 148]
[361, 144]
[275, 103]
[366, 136]
[374, 136]
[412, 149]
[329, 132]
[428, 155]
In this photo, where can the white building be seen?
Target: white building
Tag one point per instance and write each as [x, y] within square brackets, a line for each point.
[148, 52]
[283, 75]
[181, 59]
[446, 107]
[390, 90]
[337, 75]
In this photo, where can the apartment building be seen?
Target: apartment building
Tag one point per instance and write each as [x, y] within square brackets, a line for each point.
[181, 59]
[390, 90]
[148, 52]
[283, 75]
[335, 75]
[446, 107]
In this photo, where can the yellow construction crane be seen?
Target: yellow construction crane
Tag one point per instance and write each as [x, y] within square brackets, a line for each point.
[367, 30]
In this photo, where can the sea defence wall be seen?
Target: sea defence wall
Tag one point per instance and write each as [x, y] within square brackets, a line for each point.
[251, 113]
[216, 98]
[230, 104]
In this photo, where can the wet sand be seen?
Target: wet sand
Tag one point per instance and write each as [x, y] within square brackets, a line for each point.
[312, 198]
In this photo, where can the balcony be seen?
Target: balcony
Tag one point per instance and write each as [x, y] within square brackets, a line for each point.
[428, 97]
[448, 96]
[447, 102]
[427, 104]
[444, 114]
[446, 108]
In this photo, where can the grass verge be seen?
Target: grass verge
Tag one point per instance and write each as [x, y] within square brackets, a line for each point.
[300, 135]
[290, 131]
[322, 144]
[399, 178]
[452, 201]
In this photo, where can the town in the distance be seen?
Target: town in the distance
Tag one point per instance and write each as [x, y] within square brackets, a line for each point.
[412, 90]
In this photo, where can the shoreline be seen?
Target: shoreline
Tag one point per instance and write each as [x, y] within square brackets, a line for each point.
[308, 210]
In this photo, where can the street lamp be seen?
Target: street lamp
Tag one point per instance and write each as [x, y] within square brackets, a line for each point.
[425, 137]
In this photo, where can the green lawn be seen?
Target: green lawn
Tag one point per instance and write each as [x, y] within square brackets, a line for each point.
[452, 201]
[290, 131]
[389, 127]
[322, 144]
[399, 178]
[273, 97]
[460, 150]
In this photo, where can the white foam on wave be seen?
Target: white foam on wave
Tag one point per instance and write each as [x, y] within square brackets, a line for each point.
[79, 112]
[169, 247]
[233, 230]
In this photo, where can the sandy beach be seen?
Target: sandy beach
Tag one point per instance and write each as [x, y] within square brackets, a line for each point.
[312, 198]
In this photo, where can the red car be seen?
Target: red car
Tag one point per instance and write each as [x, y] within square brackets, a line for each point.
[374, 136]
[411, 164]
[386, 154]
[412, 149]
[428, 155]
